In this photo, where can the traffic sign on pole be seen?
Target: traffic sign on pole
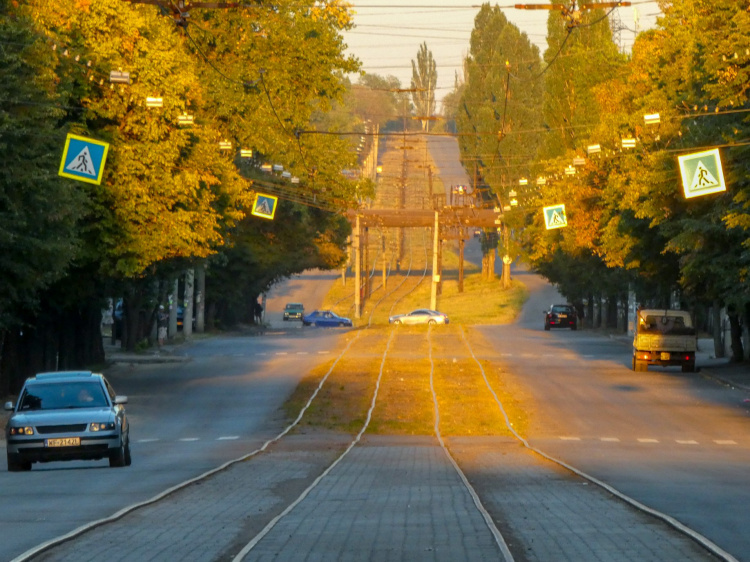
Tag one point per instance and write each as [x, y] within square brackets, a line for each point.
[702, 173]
[554, 216]
[265, 206]
[83, 159]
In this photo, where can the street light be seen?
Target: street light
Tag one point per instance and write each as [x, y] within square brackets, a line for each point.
[119, 77]
[185, 120]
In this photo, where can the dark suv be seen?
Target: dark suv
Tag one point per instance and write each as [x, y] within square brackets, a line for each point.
[561, 316]
[294, 311]
[64, 416]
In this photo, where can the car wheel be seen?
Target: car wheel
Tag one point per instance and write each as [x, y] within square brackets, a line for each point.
[546, 327]
[431, 322]
[15, 464]
[398, 322]
[117, 458]
[641, 366]
[128, 458]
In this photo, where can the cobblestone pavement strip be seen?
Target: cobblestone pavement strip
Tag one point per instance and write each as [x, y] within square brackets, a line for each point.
[391, 499]
[547, 513]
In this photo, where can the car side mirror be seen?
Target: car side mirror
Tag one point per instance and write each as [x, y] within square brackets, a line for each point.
[121, 399]
[9, 405]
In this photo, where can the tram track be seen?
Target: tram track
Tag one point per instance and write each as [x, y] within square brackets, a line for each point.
[456, 379]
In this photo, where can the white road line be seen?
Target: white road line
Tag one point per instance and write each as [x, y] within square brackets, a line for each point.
[302, 353]
[686, 442]
[281, 353]
[323, 352]
[725, 442]
[189, 439]
[228, 438]
[610, 439]
[146, 440]
[262, 353]
[646, 440]
[565, 438]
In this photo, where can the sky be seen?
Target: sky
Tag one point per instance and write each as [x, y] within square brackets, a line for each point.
[388, 33]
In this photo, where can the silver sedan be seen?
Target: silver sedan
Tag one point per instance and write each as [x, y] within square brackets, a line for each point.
[420, 316]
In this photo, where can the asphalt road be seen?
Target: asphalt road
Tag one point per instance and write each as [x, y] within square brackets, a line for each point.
[186, 418]
[677, 442]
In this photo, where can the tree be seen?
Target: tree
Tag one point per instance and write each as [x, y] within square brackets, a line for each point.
[423, 81]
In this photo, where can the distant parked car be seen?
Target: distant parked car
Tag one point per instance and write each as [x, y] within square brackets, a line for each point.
[561, 316]
[420, 316]
[64, 416]
[325, 319]
[294, 311]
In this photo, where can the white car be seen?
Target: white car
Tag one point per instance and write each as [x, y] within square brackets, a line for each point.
[420, 316]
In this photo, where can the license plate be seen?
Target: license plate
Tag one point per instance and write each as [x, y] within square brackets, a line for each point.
[664, 356]
[562, 315]
[64, 442]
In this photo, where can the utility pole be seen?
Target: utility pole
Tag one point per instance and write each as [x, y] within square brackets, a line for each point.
[435, 271]
[461, 260]
[357, 270]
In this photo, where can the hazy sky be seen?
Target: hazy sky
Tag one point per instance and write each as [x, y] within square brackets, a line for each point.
[388, 33]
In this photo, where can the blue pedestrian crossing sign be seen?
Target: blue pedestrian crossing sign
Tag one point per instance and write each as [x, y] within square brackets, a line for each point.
[554, 217]
[265, 206]
[702, 173]
[83, 159]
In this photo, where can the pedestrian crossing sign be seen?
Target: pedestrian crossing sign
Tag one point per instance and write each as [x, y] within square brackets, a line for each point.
[702, 173]
[554, 217]
[83, 159]
[265, 206]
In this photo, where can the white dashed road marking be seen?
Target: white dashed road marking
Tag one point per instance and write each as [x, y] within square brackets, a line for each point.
[147, 440]
[564, 438]
[610, 439]
[646, 440]
[228, 438]
[725, 442]
[686, 442]
[189, 439]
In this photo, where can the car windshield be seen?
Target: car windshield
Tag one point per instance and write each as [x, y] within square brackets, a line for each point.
[293, 306]
[56, 396]
[562, 310]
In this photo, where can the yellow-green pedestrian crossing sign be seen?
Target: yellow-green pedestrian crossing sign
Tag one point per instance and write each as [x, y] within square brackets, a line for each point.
[554, 216]
[702, 173]
[265, 206]
[83, 159]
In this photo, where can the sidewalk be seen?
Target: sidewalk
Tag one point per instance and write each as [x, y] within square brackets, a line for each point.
[168, 353]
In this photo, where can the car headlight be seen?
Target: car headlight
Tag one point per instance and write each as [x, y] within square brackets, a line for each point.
[22, 430]
[96, 426]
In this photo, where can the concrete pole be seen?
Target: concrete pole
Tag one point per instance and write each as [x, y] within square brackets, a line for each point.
[365, 239]
[435, 273]
[357, 270]
[200, 298]
[187, 313]
[461, 260]
[173, 299]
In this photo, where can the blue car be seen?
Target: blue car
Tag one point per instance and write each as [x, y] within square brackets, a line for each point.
[325, 319]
